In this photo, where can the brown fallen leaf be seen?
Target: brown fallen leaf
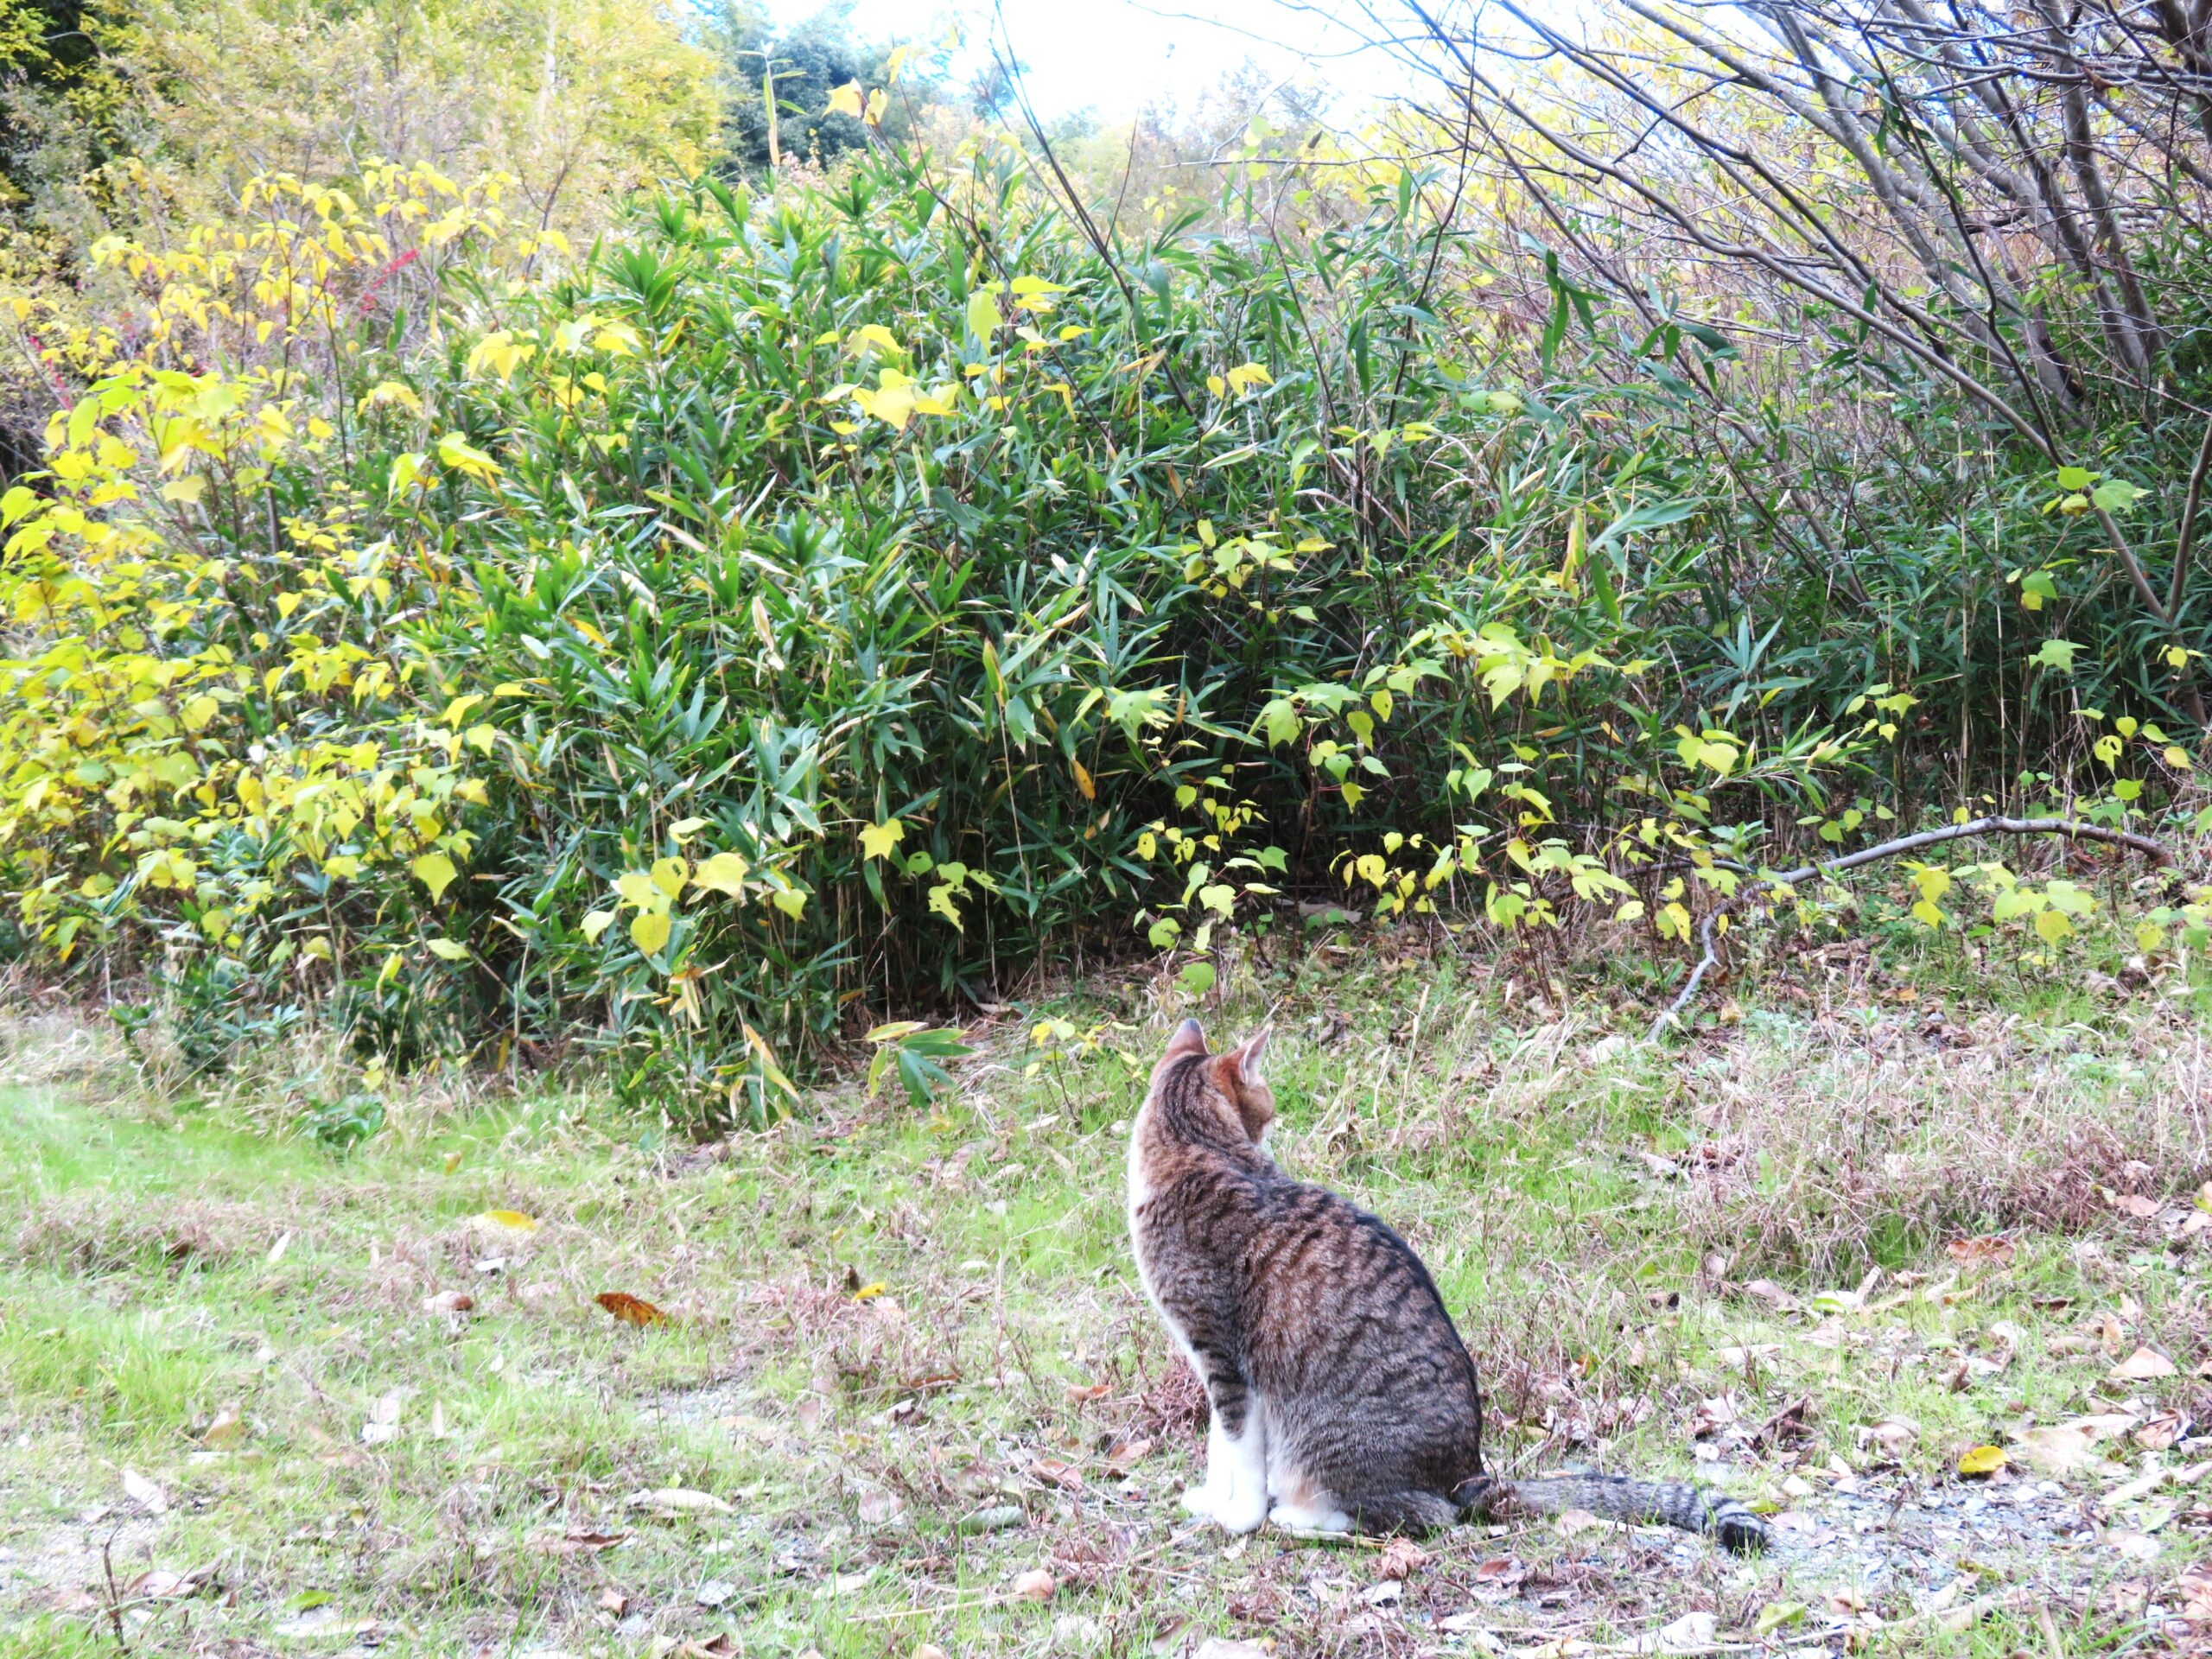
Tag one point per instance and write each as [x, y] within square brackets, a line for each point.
[1402, 1559]
[448, 1301]
[631, 1310]
[1094, 1391]
[228, 1429]
[1054, 1472]
[1992, 1250]
[615, 1601]
[160, 1586]
[876, 1507]
[1502, 1569]
[2159, 1433]
[2131, 1204]
[1035, 1585]
[1128, 1453]
[2143, 1365]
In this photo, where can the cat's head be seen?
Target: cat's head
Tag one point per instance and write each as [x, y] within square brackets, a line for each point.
[1231, 1082]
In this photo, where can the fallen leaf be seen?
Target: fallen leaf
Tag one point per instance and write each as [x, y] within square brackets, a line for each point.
[383, 1427]
[2196, 1587]
[160, 1586]
[2130, 1204]
[868, 1293]
[1895, 1435]
[228, 1429]
[1053, 1472]
[2143, 1365]
[2059, 1449]
[2135, 1546]
[2159, 1433]
[1776, 1614]
[1093, 1391]
[677, 1500]
[144, 1493]
[1385, 1594]
[614, 1601]
[593, 1540]
[1128, 1453]
[1981, 1460]
[930, 1651]
[1568, 1523]
[876, 1507]
[448, 1301]
[1402, 1559]
[631, 1310]
[1215, 1647]
[996, 1517]
[1035, 1585]
[513, 1221]
[1685, 1635]
[713, 1592]
[1992, 1250]
[1502, 1569]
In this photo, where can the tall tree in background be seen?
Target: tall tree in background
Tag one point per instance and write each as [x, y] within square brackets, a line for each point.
[777, 86]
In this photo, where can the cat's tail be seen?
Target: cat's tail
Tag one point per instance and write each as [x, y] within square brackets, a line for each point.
[1641, 1502]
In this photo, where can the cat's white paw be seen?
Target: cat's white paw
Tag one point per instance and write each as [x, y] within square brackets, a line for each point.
[1242, 1512]
[1202, 1501]
[1310, 1522]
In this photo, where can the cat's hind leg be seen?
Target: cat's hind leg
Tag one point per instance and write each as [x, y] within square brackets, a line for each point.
[1303, 1506]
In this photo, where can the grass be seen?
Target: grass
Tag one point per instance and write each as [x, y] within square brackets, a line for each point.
[223, 1358]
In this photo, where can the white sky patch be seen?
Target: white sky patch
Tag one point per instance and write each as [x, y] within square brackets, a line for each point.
[1116, 56]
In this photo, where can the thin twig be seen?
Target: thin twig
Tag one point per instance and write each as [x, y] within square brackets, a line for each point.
[2072, 828]
[114, 1593]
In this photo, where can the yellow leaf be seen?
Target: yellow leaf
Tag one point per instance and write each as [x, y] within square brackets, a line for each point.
[649, 930]
[1982, 1460]
[446, 950]
[596, 923]
[670, 875]
[199, 711]
[513, 1220]
[878, 839]
[636, 888]
[846, 100]
[790, 900]
[2053, 926]
[869, 1293]
[1083, 781]
[436, 872]
[187, 489]
[724, 873]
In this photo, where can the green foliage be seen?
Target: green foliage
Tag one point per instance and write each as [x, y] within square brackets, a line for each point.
[844, 600]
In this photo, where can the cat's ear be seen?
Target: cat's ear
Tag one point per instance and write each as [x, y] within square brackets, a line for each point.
[1188, 1039]
[1248, 1056]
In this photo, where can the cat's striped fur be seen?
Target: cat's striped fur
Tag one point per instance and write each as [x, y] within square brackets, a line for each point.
[1342, 1399]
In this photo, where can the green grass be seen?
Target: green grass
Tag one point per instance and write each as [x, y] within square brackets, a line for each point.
[1637, 1244]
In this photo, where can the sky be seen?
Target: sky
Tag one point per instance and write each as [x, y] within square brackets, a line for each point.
[1115, 56]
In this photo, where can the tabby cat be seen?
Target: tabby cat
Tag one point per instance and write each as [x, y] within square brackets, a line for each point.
[1342, 1399]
